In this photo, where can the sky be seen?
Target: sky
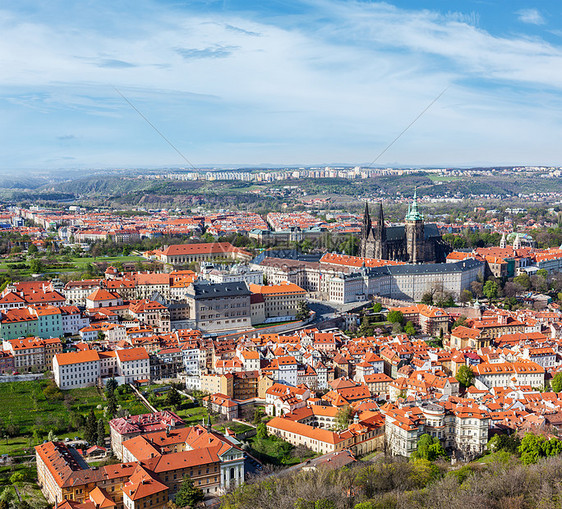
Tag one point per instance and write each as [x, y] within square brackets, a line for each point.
[279, 82]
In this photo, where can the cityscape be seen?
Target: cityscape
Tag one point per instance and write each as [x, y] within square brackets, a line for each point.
[280, 255]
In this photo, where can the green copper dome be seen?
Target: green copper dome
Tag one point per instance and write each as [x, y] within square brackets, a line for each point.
[413, 213]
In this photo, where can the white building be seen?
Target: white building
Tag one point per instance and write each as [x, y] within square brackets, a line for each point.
[73, 370]
[72, 320]
[133, 364]
[506, 374]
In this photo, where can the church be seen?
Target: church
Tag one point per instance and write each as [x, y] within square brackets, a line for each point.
[414, 242]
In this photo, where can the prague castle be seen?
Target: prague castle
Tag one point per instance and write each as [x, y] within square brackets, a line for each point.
[413, 242]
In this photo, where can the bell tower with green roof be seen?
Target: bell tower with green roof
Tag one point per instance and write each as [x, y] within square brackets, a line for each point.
[414, 229]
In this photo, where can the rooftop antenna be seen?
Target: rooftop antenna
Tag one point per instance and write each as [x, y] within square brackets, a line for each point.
[155, 128]
[408, 127]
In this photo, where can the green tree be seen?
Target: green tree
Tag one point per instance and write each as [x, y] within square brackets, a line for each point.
[173, 398]
[410, 329]
[343, 417]
[91, 429]
[491, 289]
[556, 383]
[429, 448]
[427, 298]
[465, 376]
[542, 273]
[377, 307]
[111, 385]
[262, 430]
[189, 495]
[36, 266]
[258, 414]
[111, 406]
[531, 448]
[303, 310]
[461, 320]
[523, 280]
[466, 296]
[504, 442]
[100, 431]
[395, 317]
[17, 477]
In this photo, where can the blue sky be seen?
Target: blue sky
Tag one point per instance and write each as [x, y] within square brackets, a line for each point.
[277, 82]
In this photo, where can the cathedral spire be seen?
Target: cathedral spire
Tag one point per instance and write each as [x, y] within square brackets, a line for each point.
[366, 219]
[380, 219]
[413, 213]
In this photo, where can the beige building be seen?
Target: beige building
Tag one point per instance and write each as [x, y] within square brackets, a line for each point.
[280, 300]
[181, 254]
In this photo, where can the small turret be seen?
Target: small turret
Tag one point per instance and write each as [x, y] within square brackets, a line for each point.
[503, 241]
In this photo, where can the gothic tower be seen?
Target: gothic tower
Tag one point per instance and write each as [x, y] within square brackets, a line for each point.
[366, 235]
[414, 229]
[379, 234]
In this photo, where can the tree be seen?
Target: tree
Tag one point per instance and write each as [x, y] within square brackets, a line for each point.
[343, 417]
[101, 336]
[17, 477]
[173, 398]
[410, 329]
[303, 310]
[532, 448]
[111, 406]
[465, 376]
[258, 414]
[111, 385]
[32, 249]
[427, 298]
[262, 430]
[491, 290]
[91, 429]
[189, 495]
[523, 280]
[429, 448]
[511, 289]
[323, 503]
[100, 433]
[395, 317]
[556, 383]
[466, 297]
[476, 288]
[461, 320]
[36, 266]
[503, 442]
[377, 307]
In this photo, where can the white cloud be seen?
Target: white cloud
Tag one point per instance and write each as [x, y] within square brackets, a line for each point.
[304, 90]
[532, 16]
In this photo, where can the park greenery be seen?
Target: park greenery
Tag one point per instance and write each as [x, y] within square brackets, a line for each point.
[33, 410]
[515, 473]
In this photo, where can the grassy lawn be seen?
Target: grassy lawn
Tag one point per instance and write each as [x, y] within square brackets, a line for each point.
[26, 409]
[264, 325]
[439, 178]
[76, 264]
[81, 263]
[237, 427]
[28, 489]
[194, 415]
[278, 452]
